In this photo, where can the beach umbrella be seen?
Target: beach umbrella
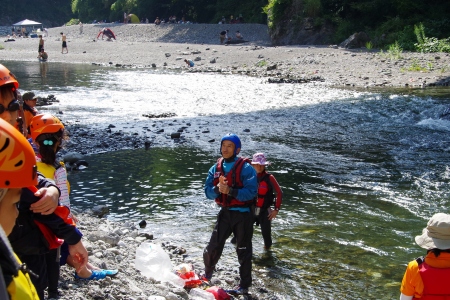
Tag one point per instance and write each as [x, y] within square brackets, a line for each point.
[27, 22]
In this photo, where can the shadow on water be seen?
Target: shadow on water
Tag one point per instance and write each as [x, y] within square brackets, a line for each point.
[361, 174]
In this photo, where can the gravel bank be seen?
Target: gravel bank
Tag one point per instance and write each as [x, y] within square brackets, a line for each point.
[166, 46]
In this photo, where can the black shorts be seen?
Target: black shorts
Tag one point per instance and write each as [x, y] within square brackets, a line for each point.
[40, 48]
[64, 45]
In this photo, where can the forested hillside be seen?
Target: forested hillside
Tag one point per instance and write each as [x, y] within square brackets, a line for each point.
[290, 21]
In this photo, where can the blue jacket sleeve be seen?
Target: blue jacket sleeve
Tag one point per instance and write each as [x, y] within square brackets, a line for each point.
[210, 191]
[250, 182]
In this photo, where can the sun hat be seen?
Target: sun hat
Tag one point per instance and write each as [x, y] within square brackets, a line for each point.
[28, 96]
[260, 159]
[436, 234]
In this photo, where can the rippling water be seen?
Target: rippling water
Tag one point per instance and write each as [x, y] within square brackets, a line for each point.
[361, 171]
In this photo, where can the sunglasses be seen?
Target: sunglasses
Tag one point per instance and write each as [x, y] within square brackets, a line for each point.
[12, 106]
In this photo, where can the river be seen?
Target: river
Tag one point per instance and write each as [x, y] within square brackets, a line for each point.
[361, 171]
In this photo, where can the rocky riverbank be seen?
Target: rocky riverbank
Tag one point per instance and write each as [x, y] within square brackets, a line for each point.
[113, 245]
[166, 46]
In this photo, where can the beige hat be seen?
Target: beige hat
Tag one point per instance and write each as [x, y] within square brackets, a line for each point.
[436, 234]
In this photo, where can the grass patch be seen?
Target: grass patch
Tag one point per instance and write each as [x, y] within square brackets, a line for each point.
[1, 47]
[395, 51]
[369, 46]
[261, 63]
[416, 67]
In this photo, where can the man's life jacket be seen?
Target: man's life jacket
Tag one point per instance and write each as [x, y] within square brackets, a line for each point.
[16, 279]
[435, 281]
[234, 181]
[265, 192]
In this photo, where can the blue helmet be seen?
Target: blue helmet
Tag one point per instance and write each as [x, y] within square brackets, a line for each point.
[232, 138]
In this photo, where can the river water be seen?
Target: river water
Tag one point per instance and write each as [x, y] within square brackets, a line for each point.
[361, 171]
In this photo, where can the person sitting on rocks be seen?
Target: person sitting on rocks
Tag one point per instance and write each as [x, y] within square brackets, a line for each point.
[157, 21]
[189, 62]
[239, 35]
[223, 36]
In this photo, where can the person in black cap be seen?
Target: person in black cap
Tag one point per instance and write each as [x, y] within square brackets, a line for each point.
[29, 108]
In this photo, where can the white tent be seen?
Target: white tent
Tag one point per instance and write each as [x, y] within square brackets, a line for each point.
[27, 22]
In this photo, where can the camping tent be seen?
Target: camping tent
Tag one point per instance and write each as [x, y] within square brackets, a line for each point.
[133, 18]
[27, 22]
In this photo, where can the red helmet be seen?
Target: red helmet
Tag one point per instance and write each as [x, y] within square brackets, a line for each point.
[44, 123]
[17, 159]
[7, 77]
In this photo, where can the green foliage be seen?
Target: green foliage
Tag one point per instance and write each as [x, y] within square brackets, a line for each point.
[428, 45]
[312, 8]
[369, 45]
[416, 67]
[395, 51]
[73, 22]
[275, 10]
[261, 63]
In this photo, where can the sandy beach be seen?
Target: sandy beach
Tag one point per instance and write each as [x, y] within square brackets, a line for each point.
[166, 46]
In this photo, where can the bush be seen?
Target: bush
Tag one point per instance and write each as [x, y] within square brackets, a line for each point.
[428, 45]
[73, 22]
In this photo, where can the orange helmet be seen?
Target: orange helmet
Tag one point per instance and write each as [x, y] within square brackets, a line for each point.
[17, 160]
[44, 123]
[7, 77]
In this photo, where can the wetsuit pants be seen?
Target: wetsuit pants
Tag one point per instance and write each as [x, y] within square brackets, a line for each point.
[266, 227]
[241, 225]
[37, 264]
[52, 260]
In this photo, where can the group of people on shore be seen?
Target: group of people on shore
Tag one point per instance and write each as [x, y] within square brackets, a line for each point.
[42, 55]
[225, 37]
[38, 233]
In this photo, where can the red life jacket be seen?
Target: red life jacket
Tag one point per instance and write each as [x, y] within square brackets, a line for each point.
[435, 281]
[234, 181]
[265, 192]
[62, 212]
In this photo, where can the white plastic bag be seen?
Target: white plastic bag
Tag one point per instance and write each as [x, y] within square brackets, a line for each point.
[154, 262]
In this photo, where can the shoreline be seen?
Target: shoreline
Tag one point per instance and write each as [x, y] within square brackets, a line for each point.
[166, 47]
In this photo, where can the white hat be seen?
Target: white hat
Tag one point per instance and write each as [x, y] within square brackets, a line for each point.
[260, 159]
[436, 234]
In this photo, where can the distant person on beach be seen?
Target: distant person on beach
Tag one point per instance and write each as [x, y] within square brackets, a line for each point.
[125, 17]
[232, 183]
[81, 27]
[239, 35]
[189, 62]
[223, 36]
[43, 56]
[427, 277]
[64, 43]
[46, 31]
[41, 44]
[157, 21]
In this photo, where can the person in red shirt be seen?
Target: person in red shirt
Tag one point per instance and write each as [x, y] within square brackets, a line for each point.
[426, 277]
[269, 193]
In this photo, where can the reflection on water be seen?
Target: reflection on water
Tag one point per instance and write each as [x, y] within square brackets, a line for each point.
[361, 171]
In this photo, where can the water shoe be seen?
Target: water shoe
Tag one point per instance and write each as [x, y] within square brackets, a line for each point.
[98, 274]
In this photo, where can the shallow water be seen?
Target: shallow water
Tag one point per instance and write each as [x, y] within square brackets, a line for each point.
[361, 171]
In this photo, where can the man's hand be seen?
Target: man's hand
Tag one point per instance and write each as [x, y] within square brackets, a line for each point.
[223, 185]
[79, 255]
[48, 200]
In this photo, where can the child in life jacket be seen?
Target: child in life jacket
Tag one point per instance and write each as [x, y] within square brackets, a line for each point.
[37, 204]
[17, 170]
[427, 277]
[267, 188]
[48, 133]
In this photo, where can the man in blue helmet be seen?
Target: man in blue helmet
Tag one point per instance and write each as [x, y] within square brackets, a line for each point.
[232, 183]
